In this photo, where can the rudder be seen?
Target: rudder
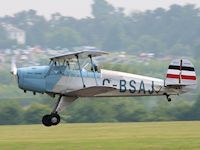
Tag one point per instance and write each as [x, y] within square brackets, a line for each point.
[181, 72]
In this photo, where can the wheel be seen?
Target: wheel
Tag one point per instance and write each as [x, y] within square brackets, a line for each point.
[55, 119]
[169, 99]
[46, 120]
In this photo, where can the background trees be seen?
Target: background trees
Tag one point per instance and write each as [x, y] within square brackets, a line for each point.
[173, 31]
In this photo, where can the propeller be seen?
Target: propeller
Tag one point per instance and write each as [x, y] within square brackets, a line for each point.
[13, 66]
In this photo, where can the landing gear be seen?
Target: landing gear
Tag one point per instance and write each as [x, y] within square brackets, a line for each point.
[54, 118]
[51, 120]
[168, 97]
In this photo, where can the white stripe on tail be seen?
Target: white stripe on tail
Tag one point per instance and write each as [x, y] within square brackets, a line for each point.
[181, 72]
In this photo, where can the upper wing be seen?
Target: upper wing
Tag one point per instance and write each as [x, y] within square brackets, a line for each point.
[80, 54]
[90, 91]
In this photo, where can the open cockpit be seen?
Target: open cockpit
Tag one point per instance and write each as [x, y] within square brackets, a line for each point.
[76, 64]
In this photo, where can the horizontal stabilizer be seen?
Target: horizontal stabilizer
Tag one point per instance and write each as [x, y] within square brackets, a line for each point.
[90, 91]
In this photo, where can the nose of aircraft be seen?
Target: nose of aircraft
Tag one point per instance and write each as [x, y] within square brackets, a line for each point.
[32, 78]
[20, 78]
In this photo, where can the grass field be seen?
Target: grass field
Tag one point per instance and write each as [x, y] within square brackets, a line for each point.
[105, 136]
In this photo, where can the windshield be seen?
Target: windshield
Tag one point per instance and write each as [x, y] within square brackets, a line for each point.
[85, 64]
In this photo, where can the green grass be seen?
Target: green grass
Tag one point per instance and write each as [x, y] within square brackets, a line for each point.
[105, 136]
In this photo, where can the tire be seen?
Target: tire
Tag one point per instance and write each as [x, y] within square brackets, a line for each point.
[46, 120]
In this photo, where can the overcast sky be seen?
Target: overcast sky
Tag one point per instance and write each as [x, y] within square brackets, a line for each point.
[82, 8]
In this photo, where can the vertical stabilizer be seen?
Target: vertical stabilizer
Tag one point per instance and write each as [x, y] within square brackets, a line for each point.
[181, 72]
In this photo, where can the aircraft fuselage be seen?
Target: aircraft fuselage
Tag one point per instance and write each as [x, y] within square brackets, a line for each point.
[60, 81]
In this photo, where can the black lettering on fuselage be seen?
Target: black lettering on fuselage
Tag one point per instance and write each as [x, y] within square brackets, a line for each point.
[122, 85]
[106, 80]
[132, 86]
[142, 87]
[152, 90]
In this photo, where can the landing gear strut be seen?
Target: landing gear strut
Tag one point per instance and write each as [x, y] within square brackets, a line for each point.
[168, 97]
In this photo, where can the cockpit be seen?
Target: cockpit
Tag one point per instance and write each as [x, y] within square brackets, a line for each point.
[72, 68]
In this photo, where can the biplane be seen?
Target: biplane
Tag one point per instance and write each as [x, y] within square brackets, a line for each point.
[74, 75]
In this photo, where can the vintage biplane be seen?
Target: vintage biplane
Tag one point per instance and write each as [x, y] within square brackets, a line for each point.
[75, 75]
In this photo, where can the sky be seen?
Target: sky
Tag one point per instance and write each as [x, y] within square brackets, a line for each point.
[82, 8]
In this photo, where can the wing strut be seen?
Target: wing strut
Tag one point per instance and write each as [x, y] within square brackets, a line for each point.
[93, 69]
[80, 70]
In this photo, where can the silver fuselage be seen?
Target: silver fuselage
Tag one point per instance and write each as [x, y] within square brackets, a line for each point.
[42, 79]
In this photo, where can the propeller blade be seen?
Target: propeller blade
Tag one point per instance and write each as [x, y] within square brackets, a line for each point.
[13, 66]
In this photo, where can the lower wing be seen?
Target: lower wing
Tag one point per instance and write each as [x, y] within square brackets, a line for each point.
[90, 91]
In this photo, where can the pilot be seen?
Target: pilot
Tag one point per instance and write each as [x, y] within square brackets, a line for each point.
[95, 67]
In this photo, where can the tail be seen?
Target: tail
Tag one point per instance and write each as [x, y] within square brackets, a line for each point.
[181, 73]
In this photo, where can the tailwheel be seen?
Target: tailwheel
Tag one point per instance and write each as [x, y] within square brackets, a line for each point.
[51, 120]
[169, 99]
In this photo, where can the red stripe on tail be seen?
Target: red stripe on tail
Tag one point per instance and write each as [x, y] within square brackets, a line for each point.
[174, 76]
[186, 77]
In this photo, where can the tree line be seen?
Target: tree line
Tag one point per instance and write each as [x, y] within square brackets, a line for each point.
[90, 110]
[175, 31]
